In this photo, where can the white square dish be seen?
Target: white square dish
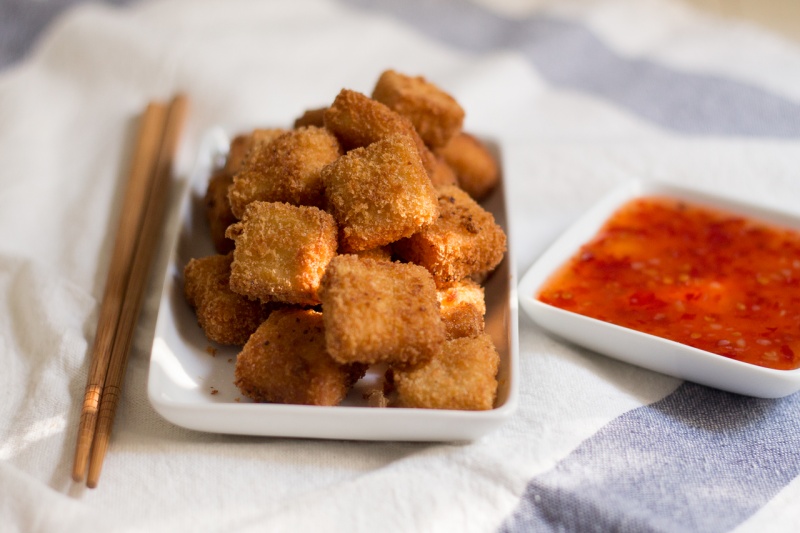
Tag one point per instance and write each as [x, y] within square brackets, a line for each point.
[190, 379]
[642, 349]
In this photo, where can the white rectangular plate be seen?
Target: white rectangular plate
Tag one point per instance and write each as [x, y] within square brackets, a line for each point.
[649, 351]
[192, 388]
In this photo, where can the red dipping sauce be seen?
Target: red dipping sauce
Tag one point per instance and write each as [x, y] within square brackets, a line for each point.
[713, 280]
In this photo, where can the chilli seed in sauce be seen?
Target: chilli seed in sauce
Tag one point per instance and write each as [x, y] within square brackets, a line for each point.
[702, 277]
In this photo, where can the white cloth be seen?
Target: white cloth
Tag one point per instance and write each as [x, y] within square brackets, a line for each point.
[66, 129]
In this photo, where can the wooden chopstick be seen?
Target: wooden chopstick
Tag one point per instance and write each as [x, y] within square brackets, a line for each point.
[145, 250]
[145, 155]
[135, 245]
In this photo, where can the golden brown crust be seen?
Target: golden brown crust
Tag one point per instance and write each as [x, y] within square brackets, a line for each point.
[382, 253]
[435, 114]
[377, 311]
[311, 117]
[474, 165]
[359, 121]
[263, 136]
[463, 308]
[379, 194]
[243, 143]
[287, 169]
[462, 375]
[281, 252]
[218, 208]
[238, 149]
[464, 241]
[224, 316]
[218, 211]
[285, 361]
[442, 174]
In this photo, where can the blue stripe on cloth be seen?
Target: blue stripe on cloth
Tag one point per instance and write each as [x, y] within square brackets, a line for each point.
[697, 460]
[571, 56]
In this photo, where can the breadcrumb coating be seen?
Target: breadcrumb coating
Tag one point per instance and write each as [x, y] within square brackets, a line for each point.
[285, 361]
[238, 149]
[462, 375]
[311, 117]
[463, 308]
[287, 169]
[359, 121]
[281, 252]
[463, 242]
[379, 194]
[224, 316]
[474, 165]
[218, 211]
[383, 253]
[376, 311]
[242, 144]
[442, 174]
[434, 113]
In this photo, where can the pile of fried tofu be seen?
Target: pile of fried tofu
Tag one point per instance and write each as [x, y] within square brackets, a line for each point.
[355, 240]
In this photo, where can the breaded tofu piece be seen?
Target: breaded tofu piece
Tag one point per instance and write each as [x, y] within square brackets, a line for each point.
[311, 117]
[218, 208]
[462, 375]
[376, 311]
[224, 316]
[465, 241]
[281, 252]
[474, 165]
[359, 121]
[285, 361]
[435, 114]
[463, 307]
[442, 174]
[382, 253]
[263, 136]
[287, 169]
[241, 145]
[379, 194]
[218, 211]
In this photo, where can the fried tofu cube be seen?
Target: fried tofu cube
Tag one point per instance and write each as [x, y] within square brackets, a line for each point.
[475, 167]
[285, 361]
[463, 307]
[243, 143]
[383, 253]
[218, 208]
[281, 252]
[376, 311]
[435, 114]
[379, 194]
[442, 174]
[359, 121]
[218, 211]
[287, 169]
[462, 375]
[311, 117]
[465, 241]
[263, 136]
[224, 316]
[238, 149]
